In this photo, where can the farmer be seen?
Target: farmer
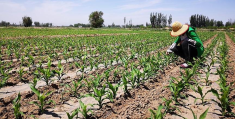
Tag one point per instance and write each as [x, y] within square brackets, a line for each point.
[187, 44]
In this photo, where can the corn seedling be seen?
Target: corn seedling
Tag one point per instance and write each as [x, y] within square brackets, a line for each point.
[106, 74]
[98, 94]
[207, 77]
[167, 106]
[115, 74]
[4, 76]
[176, 88]
[60, 70]
[202, 116]
[21, 73]
[112, 91]
[138, 75]
[75, 87]
[157, 114]
[37, 74]
[132, 79]
[199, 90]
[17, 54]
[22, 60]
[74, 113]
[208, 72]
[97, 80]
[88, 84]
[106, 62]
[40, 64]
[47, 74]
[3, 81]
[41, 99]
[223, 99]
[16, 106]
[34, 83]
[124, 83]
[91, 65]
[31, 62]
[83, 109]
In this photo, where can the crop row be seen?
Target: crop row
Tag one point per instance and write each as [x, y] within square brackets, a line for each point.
[83, 51]
[178, 86]
[6, 33]
[130, 71]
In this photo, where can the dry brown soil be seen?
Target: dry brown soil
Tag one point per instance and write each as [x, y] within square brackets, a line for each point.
[231, 72]
[147, 96]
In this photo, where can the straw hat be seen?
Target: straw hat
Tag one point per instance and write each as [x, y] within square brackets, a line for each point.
[178, 29]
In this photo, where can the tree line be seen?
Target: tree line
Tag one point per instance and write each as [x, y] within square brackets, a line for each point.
[157, 20]
[38, 24]
[204, 21]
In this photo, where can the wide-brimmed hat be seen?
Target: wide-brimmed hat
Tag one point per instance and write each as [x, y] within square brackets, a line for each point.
[178, 29]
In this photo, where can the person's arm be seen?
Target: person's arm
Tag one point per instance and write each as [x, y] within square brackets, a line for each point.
[194, 36]
[173, 44]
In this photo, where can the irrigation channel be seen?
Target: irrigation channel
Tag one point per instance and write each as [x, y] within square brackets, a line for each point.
[138, 64]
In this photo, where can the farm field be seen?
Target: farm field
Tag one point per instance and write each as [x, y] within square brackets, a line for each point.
[117, 73]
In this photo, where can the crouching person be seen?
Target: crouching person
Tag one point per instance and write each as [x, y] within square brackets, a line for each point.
[187, 44]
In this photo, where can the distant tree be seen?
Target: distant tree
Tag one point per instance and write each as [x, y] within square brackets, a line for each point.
[27, 21]
[159, 20]
[212, 22]
[113, 25]
[81, 25]
[130, 24]
[170, 20]
[228, 24]
[152, 20]
[36, 23]
[4, 23]
[125, 22]
[96, 19]
[164, 21]
[219, 23]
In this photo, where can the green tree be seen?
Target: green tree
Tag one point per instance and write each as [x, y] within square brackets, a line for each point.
[36, 23]
[113, 25]
[27, 21]
[170, 20]
[96, 19]
[152, 20]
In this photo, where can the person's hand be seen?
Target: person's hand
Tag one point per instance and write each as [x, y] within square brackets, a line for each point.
[192, 41]
[167, 53]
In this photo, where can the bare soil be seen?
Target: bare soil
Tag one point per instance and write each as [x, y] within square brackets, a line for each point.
[148, 96]
[230, 73]
[136, 105]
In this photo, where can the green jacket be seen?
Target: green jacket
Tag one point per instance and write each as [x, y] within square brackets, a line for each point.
[192, 35]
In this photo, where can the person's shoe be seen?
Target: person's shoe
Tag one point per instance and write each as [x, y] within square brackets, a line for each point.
[185, 65]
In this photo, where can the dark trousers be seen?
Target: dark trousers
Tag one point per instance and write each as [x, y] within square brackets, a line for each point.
[186, 50]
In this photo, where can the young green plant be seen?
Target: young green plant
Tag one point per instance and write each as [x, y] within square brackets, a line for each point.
[16, 106]
[41, 102]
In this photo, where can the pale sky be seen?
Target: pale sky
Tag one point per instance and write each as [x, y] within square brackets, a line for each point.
[66, 12]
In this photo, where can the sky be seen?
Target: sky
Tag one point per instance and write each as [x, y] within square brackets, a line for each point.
[67, 12]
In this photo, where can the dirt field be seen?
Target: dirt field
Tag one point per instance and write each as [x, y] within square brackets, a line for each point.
[132, 106]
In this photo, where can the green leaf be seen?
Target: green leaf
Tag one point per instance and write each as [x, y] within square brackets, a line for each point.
[215, 92]
[200, 90]
[35, 90]
[194, 116]
[203, 115]
[233, 103]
